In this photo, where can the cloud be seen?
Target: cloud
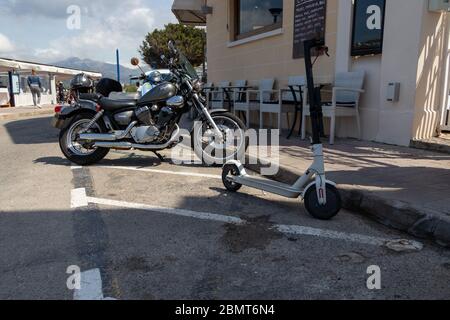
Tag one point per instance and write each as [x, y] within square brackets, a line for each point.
[105, 26]
[6, 46]
[122, 26]
[58, 8]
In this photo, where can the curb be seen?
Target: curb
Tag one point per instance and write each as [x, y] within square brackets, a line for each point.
[415, 220]
[430, 146]
[19, 115]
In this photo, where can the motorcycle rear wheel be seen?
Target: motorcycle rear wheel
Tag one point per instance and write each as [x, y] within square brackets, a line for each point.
[78, 152]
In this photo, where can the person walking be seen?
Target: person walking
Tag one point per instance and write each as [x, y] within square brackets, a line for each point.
[61, 95]
[34, 82]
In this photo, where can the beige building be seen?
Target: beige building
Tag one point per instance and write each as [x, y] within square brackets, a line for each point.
[404, 42]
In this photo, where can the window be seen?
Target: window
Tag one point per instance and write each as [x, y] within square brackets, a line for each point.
[368, 27]
[257, 16]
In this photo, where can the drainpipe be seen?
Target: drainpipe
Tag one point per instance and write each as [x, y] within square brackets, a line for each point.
[344, 36]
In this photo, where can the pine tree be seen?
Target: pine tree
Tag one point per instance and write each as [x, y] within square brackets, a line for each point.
[189, 40]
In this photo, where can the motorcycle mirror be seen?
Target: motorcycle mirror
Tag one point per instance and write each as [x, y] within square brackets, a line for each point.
[134, 61]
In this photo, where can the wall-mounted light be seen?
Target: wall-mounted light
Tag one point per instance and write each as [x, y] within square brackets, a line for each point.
[207, 9]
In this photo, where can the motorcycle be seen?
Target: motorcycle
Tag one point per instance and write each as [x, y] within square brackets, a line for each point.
[95, 124]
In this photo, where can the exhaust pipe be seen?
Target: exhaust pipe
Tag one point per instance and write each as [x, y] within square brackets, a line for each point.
[119, 135]
[129, 145]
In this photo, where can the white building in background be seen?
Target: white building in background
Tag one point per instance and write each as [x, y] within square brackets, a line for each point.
[14, 89]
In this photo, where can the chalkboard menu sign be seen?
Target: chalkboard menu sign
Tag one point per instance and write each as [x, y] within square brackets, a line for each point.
[309, 19]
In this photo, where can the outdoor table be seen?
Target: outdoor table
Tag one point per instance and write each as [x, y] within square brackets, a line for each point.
[299, 106]
[229, 90]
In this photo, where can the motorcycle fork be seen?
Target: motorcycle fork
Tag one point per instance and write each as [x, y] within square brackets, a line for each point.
[211, 121]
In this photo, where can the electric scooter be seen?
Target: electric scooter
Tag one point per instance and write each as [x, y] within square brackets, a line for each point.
[321, 197]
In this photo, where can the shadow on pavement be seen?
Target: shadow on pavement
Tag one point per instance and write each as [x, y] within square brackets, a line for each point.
[32, 131]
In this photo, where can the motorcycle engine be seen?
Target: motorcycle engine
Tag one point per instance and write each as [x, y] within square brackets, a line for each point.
[148, 132]
[145, 134]
[151, 130]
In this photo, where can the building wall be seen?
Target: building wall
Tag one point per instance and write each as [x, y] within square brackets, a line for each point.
[431, 92]
[266, 58]
[384, 121]
[413, 55]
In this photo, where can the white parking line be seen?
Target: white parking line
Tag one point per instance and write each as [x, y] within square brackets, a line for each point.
[290, 230]
[175, 173]
[172, 211]
[78, 198]
[91, 287]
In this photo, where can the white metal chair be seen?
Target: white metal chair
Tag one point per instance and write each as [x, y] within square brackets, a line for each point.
[285, 102]
[345, 102]
[218, 95]
[251, 100]
[209, 88]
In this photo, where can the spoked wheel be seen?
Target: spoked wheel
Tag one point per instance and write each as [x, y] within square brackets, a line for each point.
[78, 151]
[214, 152]
[230, 170]
[327, 211]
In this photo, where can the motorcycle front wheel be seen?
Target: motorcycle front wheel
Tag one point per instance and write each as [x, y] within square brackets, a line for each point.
[214, 151]
[79, 152]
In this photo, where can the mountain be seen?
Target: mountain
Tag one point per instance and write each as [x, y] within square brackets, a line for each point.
[108, 70]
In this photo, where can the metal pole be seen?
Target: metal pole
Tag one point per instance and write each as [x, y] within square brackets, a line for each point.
[12, 99]
[118, 64]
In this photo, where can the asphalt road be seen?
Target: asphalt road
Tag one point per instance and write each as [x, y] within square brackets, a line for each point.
[142, 229]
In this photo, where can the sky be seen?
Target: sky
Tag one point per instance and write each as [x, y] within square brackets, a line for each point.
[52, 30]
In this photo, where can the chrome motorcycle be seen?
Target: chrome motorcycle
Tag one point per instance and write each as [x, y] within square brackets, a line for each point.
[95, 124]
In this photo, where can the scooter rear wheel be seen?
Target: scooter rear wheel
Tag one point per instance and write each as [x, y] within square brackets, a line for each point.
[327, 211]
[230, 170]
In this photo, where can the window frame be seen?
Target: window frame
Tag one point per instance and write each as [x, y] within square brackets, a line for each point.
[366, 52]
[237, 18]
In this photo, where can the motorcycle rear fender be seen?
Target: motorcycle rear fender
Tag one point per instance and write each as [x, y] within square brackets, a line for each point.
[82, 106]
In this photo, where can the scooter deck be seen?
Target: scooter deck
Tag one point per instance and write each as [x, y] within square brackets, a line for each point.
[267, 185]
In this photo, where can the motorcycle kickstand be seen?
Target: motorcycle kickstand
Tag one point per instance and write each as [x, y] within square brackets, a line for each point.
[160, 157]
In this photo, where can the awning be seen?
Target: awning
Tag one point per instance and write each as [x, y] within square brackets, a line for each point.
[15, 65]
[190, 12]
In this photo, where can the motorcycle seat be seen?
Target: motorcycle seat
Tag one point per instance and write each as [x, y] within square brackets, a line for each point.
[91, 96]
[113, 105]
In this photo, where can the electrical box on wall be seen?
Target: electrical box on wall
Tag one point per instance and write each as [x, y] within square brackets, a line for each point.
[393, 92]
[439, 5]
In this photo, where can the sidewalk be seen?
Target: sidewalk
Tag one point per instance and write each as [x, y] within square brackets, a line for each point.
[29, 111]
[404, 188]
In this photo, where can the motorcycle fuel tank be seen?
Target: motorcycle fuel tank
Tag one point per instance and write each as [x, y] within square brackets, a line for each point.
[159, 93]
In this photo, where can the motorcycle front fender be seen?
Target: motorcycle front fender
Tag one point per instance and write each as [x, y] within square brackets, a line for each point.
[201, 117]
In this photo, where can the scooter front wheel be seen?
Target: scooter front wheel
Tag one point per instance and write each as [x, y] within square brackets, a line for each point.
[327, 211]
[230, 170]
